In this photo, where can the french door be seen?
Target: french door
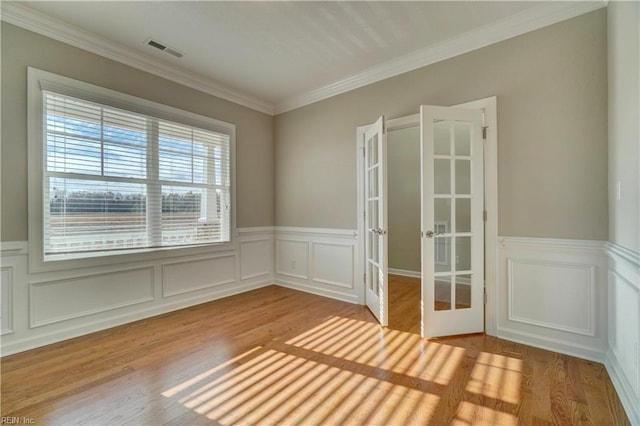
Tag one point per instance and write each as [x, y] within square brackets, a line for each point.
[452, 226]
[375, 186]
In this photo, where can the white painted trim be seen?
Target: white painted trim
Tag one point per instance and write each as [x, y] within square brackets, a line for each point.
[590, 330]
[256, 230]
[405, 273]
[102, 324]
[614, 250]
[344, 297]
[17, 13]
[624, 268]
[312, 265]
[14, 248]
[318, 232]
[7, 303]
[312, 279]
[529, 20]
[33, 323]
[307, 242]
[555, 243]
[551, 344]
[620, 382]
[75, 324]
[165, 265]
[259, 237]
[586, 339]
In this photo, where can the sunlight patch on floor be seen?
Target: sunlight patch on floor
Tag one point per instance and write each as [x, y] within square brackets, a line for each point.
[326, 374]
[497, 377]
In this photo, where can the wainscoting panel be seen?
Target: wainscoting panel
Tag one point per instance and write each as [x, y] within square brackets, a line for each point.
[56, 301]
[292, 258]
[191, 275]
[52, 306]
[623, 358]
[552, 294]
[319, 261]
[256, 257]
[6, 300]
[333, 264]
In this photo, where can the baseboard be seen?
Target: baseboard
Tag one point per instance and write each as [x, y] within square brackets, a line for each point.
[623, 388]
[405, 273]
[344, 297]
[550, 344]
[114, 321]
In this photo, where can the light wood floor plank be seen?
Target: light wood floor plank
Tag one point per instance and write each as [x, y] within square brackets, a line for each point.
[278, 356]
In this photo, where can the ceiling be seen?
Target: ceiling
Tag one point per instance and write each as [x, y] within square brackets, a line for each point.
[274, 55]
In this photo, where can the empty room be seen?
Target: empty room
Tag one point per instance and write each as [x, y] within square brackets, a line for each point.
[320, 213]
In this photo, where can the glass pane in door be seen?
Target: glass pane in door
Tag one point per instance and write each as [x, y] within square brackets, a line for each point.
[463, 291]
[463, 253]
[442, 255]
[463, 215]
[462, 135]
[463, 177]
[442, 176]
[442, 137]
[442, 299]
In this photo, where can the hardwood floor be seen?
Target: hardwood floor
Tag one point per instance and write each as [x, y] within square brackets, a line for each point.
[278, 356]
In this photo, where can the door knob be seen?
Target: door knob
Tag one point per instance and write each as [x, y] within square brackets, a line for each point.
[428, 234]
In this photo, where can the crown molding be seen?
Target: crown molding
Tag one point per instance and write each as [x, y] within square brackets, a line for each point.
[529, 20]
[17, 14]
[537, 17]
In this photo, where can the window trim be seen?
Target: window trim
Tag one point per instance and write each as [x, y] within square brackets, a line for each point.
[38, 80]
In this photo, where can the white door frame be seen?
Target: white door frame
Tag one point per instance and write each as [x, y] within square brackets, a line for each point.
[489, 106]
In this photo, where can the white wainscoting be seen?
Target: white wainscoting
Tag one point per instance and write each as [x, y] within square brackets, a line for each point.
[198, 274]
[623, 357]
[320, 261]
[552, 294]
[88, 294]
[41, 308]
[6, 300]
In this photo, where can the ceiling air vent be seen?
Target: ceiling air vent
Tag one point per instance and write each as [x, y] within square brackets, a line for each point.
[161, 46]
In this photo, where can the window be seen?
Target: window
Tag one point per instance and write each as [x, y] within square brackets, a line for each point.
[121, 174]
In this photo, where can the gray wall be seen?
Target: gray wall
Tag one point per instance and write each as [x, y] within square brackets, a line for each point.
[551, 86]
[22, 48]
[624, 128]
[403, 186]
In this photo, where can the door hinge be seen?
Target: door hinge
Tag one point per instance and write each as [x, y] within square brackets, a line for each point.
[364, 278]
[484, 298]
[484, 215]
[484, 132]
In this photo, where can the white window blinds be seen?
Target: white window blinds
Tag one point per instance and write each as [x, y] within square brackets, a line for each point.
[119, 180]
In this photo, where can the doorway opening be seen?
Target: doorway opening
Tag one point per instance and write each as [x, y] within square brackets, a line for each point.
[414, 229]
[405, 271]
